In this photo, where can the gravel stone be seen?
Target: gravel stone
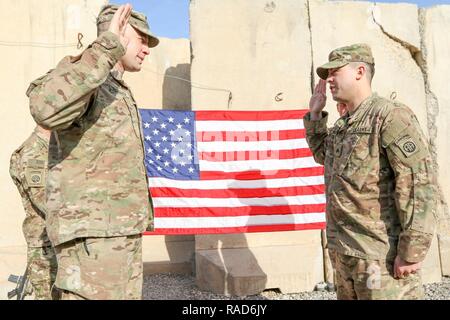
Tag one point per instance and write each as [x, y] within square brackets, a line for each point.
[182, 287]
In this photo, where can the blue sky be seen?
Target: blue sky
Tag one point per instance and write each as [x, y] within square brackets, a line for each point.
[170, 18]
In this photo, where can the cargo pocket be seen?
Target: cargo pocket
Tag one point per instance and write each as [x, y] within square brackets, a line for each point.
[88, 247]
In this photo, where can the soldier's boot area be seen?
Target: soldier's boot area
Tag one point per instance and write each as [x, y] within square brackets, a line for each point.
[100, 268]
[373, 280]
[42, 272]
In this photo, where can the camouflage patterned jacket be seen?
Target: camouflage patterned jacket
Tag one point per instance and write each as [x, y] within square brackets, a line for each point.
[97, 184]
[28, 169]
[380, 182]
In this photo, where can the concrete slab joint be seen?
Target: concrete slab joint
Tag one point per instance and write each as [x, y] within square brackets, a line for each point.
[419, 55]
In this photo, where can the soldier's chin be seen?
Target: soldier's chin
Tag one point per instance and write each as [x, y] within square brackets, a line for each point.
[134, 68]
[336, 97]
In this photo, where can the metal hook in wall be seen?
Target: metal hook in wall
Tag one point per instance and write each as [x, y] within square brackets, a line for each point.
[80, 44]
[279, 97]
[393, 95]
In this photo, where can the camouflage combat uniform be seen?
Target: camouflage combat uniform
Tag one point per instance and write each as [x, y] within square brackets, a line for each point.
[28, 169]
[97, 197]
[380, 191]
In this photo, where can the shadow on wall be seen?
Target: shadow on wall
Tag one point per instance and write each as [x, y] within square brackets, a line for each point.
[232, 268]
[229, 267]
[176, 89]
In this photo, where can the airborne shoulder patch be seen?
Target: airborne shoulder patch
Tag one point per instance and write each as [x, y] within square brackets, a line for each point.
[35, 177]
[408, 146]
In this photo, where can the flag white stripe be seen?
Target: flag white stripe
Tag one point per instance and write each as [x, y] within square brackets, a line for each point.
[238, 221]
[266, 125]
[243, 184]
[225, 146]
[173, 202]
[263, 165]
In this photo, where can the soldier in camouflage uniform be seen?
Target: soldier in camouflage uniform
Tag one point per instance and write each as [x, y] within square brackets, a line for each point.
[28, 169]
[97, 196]
[380, 182]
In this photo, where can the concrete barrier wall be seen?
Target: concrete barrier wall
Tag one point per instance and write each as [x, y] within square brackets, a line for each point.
[258, 49]
[255, 49]
[34, 36]
[264, 53]
[400, 69]
[392, 39]
[435, 30]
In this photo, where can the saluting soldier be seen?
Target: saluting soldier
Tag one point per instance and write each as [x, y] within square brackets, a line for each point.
[380, 182]
[97, 198]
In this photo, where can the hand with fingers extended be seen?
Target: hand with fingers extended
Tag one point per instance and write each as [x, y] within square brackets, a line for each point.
[318, 100]
[119, 23]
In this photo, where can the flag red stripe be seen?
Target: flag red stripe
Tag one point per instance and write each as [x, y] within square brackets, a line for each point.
[226, 115]
[265, 228]
[237, 211]
[209, 136]
[237, 193]
[262, 175]
[255, 155]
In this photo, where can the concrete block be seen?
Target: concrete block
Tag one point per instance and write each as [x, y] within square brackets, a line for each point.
[264, 61]
[431, 266]
[247, 271]
[52, 27]
[258, 50]
[168, 254]
[444, 253]
[163, 82]
[394, 42]
[256, 239]
[436, 40]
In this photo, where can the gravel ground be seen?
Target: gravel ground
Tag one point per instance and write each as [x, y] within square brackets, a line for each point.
[182, 287]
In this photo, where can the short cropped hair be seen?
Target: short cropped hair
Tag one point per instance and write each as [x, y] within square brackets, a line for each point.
[370, 69]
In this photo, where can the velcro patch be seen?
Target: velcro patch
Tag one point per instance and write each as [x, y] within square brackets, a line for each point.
[35, 178]
[360, 130]
[408, 146]
[36, 163]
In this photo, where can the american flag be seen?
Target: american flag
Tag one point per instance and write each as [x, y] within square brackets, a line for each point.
[231, 172]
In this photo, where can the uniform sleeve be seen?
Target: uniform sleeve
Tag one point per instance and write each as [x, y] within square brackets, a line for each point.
[34, 182]
[62, 96]
[28, 171]
[415, 182]
[316, 133]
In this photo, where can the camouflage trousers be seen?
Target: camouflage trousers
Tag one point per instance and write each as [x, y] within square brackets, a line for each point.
[364, 279]
[100, 268]
[42, 269]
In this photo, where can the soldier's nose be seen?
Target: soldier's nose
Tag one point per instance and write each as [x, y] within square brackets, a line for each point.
[146, 50]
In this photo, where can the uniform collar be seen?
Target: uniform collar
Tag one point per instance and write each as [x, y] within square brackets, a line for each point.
[41, 135]
[117, 76]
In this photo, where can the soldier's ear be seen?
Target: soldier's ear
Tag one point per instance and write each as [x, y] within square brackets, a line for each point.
[360, 71]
